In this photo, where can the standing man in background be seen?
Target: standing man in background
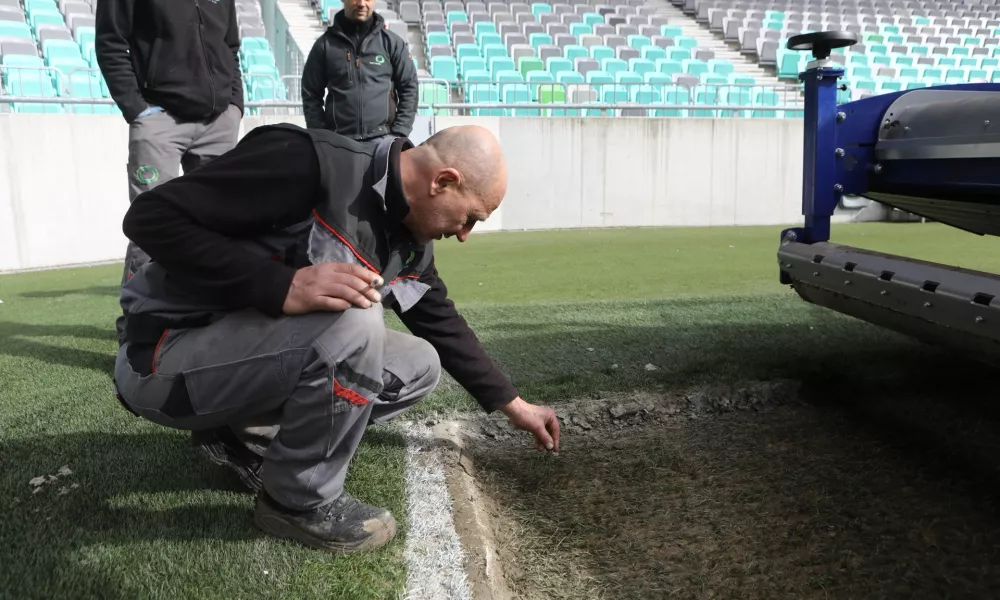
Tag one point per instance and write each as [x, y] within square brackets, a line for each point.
[368, 74]
[173, 68]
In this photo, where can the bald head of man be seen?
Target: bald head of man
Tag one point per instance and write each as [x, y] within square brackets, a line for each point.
[452, 181]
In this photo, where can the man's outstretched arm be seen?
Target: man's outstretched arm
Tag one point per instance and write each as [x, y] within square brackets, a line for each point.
[435, 319]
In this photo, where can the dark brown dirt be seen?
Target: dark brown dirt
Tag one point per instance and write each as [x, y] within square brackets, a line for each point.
[766, 492]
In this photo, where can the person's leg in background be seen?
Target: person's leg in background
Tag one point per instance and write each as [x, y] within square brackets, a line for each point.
[156, 143]
[213, 139]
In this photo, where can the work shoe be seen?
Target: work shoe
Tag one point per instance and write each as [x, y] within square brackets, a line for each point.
[344, 526]
[222, 447]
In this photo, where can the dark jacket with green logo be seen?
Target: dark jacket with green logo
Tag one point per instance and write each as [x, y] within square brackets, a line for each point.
[369, 79]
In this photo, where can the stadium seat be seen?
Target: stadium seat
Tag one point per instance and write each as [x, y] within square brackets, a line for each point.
[430, 94]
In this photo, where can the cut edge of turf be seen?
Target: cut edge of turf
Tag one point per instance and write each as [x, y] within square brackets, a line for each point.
[486, 529]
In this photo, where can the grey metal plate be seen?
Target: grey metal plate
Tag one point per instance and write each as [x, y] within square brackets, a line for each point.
[945, 304]
[936, 124]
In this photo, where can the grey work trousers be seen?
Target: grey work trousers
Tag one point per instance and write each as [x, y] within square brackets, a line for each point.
[159, 145]
[247, 365]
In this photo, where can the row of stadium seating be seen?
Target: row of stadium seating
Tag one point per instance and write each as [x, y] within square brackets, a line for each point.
[903, 44]
[507, 43]
[47, 50]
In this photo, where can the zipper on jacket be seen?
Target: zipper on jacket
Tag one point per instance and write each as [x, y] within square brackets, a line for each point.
[204, 52]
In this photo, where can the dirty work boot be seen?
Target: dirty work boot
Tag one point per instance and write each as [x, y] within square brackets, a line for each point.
[344, 526]
[222, 447]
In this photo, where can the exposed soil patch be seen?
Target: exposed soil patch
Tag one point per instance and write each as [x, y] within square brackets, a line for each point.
[762, 491]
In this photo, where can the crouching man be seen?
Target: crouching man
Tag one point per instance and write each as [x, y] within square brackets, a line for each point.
[270, 267]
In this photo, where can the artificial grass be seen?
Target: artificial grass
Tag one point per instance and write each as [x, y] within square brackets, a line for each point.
[564, 313]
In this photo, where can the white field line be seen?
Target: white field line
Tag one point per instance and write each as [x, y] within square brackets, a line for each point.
[434, 555]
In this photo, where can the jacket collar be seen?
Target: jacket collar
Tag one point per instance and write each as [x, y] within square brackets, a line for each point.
[388, 182]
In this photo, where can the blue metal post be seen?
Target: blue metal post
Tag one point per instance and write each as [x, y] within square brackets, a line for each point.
[820, 190]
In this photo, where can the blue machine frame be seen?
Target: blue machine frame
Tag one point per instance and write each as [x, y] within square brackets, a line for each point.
[935, 154]
[839, 147]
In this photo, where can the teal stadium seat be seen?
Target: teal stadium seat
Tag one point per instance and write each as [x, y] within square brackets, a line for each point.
[13, 29]
[558, 64]
[492, 51]
[669, 67]
[638, 41]
[501, 63]
[574, 51]
[653, 53]
[613, 65]
[444, 67]
[579, 29]
[641, 66]
[538, 8]
[539, 39]
[472, 63]
[671, 31]
[600, 53]
[465, 51]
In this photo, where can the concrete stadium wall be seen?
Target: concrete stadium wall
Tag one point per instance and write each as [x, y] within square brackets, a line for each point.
[63, 189]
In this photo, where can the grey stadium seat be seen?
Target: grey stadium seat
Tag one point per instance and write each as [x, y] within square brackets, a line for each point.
[769, 53]
[519, 50]
[439, 51]
[627, 30]
[53, 32]
[515, 38]
[703, 54]
[586, 65]
[19, 47]
[253, 32]
[463, 38]
[688, 81]
[389, 15]
[504, 29]
[432, 27]
[433, 17]
[603, 29]
[637, 20]
[397, 27]
[529, 28]
[451, 5]
[11, 3]
[616, 21]
[561, 9]
[81, 20]
[523, 17]
[461, 27]
[591, 40]
[570, 18]
[409, 11]
[555, 29]
[662, 41]
[614, 40]
[519, 7]
[627, 52]
[11, 14]
[564, 39]
[546, 52]
[580, 94]
[546, 18]
[503, 18]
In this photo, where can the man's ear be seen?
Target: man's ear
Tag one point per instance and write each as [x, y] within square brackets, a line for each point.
[446, 178]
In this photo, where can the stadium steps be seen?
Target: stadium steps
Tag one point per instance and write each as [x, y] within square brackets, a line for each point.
[708, 40]
[303, 25]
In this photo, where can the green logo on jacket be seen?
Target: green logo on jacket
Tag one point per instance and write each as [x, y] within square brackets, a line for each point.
[379, 60]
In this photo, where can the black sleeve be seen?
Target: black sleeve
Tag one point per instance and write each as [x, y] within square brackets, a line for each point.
[113, 23]
[193, 225]
[435, 319]
[314, 85]
[404, 76]
[233, 41]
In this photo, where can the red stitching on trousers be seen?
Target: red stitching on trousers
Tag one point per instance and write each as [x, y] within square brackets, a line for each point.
[349, 395]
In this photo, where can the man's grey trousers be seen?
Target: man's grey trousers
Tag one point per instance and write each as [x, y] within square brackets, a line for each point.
[326, 375]
[159, 145]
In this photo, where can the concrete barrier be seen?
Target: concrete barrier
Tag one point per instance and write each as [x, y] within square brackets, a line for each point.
[63, 189]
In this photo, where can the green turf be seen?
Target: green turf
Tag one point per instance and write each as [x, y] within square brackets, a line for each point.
[565, 313]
